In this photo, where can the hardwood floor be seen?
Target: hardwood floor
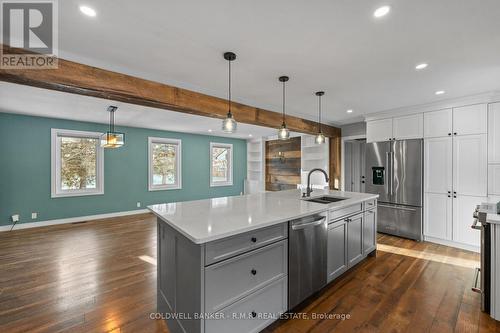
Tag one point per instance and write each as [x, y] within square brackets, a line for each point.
[100, 276]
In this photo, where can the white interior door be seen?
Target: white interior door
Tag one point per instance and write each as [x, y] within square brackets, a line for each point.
[438, 215]
[438, 165]
[470, 165]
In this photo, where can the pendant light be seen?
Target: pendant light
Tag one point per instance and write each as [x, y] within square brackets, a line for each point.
[229, 124]
[283, 132]
[112, 139]
[320, 138]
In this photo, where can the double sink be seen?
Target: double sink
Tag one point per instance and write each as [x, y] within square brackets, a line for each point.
[325, 199]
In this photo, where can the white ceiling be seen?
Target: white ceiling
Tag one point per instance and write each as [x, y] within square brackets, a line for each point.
[53, 104]
[362, 63]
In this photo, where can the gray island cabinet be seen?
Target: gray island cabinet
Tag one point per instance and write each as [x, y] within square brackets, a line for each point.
[223, 263]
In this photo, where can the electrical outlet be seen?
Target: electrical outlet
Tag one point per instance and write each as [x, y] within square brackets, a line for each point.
[138, 204]
[15, 218]
[34, 216]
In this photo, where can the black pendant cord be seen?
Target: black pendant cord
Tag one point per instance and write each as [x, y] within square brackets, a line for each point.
[284, 103]
[112, 120]
[319, 123]
[229, 90]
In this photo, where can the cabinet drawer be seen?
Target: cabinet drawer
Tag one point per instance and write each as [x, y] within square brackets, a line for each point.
[370, 204]
[232, 279]
[254, 312]
[350, 210]
[232, 246]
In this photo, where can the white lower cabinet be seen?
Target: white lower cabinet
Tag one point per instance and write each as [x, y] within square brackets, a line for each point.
[494, 179]
[463, 207]
[337, 249]
[438, 215]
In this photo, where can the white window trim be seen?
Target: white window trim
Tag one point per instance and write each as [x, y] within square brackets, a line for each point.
[176, 186]
[55, 165]
[230, 181]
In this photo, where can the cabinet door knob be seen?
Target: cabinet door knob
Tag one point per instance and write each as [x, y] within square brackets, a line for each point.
[254, 314]
[254, 240]
[455, 133]
[449, 134]
[253, 271]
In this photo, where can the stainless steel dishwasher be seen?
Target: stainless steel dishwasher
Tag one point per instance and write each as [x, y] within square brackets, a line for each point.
[306, 257]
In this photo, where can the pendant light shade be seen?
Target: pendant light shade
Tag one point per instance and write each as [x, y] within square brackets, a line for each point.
[320, 138]
[112, 139]
[283, 132]
[229, 124]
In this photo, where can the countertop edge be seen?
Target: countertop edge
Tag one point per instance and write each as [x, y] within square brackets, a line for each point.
[321, 208]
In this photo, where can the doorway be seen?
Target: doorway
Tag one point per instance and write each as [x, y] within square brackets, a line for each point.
[354, 163]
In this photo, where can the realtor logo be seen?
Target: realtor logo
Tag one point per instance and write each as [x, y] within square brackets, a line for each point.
[29, 34]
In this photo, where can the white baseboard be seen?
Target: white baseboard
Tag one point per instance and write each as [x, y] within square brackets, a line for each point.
[452, 244]
[72, 220]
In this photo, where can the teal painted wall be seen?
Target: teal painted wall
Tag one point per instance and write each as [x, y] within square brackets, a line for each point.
[25, 170]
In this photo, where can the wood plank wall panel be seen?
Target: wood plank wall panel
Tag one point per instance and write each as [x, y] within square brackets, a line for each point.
[335, 150]
[283, 172]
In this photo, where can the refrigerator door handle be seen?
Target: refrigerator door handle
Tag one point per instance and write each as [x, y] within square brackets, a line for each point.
[389, 172]
[398, 207]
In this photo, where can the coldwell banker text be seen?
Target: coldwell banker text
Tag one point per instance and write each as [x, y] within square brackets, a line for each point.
[29, 34]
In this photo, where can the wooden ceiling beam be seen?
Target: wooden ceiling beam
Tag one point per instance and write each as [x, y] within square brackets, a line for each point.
[76, 78]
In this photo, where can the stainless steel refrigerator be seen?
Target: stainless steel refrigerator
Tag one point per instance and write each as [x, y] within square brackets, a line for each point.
[394, 170]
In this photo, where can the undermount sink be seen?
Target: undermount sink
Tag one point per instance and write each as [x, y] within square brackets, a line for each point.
[325, 199]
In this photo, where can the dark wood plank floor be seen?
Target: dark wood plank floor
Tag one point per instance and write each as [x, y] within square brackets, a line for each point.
[100, 276]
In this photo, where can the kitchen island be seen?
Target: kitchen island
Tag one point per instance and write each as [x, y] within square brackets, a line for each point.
[224, 264]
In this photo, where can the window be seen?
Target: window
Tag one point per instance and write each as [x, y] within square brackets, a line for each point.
[77, 163]
[164, 164]
[221, 164]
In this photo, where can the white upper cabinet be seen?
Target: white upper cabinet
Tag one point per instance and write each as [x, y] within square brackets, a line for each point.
[438, 123]
[408, 127]
[470, 165]
[438, 165]
[379, 130]
[470, 119]
[494, 133]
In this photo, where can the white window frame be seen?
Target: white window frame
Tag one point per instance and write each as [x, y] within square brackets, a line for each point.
[230, 166]
[55, 165]
[178, 156]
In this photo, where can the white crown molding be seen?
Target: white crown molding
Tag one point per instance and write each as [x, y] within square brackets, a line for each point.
[489, 97]
[29, 225]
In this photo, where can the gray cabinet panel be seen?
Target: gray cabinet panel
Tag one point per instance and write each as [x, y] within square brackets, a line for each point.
[350, 210]
[254, 312]
[337, 249]
[354, 239]
[229, 247]
[232, 279]
[370, 231]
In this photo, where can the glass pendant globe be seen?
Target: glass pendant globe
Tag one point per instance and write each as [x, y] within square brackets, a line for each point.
[229, 125]
[320, 139]
[283, 133]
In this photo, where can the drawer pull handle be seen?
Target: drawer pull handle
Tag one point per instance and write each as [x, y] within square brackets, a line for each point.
[254, 314]
[254, 240]
[253, 271]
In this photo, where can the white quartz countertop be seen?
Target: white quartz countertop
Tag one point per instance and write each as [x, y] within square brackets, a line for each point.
[207, 220]
[493, 218]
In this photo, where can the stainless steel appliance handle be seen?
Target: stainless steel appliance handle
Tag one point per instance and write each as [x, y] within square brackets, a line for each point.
[388, 176]
[398, 207]
[476, 280]
[392, 173]
[308, 224]
[475, 226]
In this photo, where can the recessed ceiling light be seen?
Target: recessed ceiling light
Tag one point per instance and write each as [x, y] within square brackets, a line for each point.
[349, 111]
[439, 92]
[421, 66]
[382, 11]
[210, 130]
[250, 135]
[88, 11]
